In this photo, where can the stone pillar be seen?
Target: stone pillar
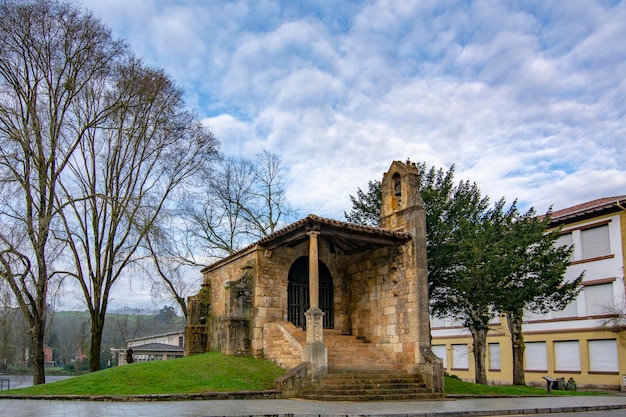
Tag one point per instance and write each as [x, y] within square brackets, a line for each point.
[314, 275]
[314, 351]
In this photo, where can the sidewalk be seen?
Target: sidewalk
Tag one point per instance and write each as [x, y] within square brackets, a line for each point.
[302, 408]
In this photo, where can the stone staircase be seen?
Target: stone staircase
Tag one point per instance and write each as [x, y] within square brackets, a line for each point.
[355, 354]
[360, 371]
[381, 385]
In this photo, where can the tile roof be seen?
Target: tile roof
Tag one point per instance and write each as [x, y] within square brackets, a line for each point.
[314, 220]
[588, 208]
[160, 347]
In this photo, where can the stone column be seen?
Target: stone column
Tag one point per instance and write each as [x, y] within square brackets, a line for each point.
[314, 351]
[314, 274]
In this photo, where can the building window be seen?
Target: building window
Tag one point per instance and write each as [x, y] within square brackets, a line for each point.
[536, 357]
[595, 242]
[397, 188]
[437, 322]
[571, 310]
[598, 299]
[567, 355]
[494, 356]
[603, 356]
[460, 357]
[448, 321]
[440, 351]
[566, 240]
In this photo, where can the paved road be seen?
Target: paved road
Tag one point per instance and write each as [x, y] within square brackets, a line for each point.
[297, 408]
[609, 413]
[23, 381]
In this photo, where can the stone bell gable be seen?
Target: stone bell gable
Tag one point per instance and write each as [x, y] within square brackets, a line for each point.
[314, 290]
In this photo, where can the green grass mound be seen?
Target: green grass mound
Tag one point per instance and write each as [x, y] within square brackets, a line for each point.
[209, 372]
[454, 386]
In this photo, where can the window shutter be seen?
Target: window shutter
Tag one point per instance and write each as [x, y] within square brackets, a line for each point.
[571, 310]
[567, 355]
[595, 242]
[494, 356]
[536, 356]
[440, 351]
[598, 299]
[460, 359]
[603, 355]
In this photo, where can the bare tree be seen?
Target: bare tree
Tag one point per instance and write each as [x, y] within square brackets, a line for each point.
[52, 55]
[243, 201]
[122, 178]
[9, 312]
[206, 224]
[238, 202]
[268, 208]
[214, 217]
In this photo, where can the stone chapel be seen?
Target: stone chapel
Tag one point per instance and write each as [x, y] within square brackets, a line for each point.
[319, 290]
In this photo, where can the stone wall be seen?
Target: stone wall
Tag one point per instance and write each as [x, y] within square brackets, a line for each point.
[220, 314]
[281, 345]
[384, 310]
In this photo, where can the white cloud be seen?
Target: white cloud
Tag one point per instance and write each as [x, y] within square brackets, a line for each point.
[525, 98]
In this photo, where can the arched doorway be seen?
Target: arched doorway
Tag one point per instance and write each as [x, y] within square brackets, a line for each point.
[298, 293]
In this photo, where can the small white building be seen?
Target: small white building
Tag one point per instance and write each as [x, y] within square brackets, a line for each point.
[153, 348]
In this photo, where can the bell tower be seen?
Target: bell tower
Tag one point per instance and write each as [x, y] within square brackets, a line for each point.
[403, 210]
[402, 205]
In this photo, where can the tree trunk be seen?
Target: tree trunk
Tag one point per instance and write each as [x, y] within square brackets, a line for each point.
[517, 343]
[97, 327]
[479, 344]
[37, 359]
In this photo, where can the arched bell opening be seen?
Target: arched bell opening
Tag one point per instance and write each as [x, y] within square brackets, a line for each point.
[298, 293]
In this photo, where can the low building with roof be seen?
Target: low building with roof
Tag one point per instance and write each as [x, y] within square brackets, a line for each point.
[331, 294]
[152, 348]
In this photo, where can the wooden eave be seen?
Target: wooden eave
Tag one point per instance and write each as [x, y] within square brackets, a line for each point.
[589, 210]
[345, 238]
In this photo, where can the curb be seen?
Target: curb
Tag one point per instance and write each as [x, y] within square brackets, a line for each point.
[237, 395]
[512, 411]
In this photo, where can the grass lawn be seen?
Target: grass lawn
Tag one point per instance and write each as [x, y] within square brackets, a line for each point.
[209, 372]
[216, 372]
[457, 387]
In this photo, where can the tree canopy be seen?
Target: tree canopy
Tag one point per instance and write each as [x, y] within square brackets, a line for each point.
[483, 259]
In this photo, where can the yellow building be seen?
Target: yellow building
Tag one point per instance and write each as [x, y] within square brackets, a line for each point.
[586, 340]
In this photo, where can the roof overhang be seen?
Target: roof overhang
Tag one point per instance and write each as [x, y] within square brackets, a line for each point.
[344, 238]
[588, 210]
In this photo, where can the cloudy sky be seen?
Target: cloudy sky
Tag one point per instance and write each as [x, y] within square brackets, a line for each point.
[527, 98]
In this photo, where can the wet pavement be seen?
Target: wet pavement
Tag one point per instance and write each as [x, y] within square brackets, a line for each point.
[23, 381]
[303, 408]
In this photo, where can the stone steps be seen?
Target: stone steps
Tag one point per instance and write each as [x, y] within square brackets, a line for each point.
[348, 352]
[361, 371]
[368, 386]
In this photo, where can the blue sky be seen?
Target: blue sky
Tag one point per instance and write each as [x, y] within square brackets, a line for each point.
[527, 98]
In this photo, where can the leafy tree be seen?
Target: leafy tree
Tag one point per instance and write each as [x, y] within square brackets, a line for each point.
[366, 205]
[532, 270]
[463, 286]
[53, 56]
[483, 260]
[166, 314]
